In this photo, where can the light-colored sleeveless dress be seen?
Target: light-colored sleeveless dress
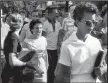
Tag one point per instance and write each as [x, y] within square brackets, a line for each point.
[40, 58]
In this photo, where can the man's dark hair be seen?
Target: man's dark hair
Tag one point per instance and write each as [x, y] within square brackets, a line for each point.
[83, 7]
[33, 23]
[51, 9]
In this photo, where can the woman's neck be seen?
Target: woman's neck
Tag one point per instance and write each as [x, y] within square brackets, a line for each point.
[80, 35]
[34, 36]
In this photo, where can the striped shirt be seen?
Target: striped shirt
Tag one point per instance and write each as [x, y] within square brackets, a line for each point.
[68, 24]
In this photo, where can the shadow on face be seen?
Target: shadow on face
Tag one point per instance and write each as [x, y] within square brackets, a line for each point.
[87, 23]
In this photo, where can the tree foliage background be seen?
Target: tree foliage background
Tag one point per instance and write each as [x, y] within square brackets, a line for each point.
[16, 6]
[28, 6]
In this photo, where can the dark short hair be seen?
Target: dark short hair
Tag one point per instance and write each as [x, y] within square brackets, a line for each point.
[51, 10]
[83, 7]
[33, 23]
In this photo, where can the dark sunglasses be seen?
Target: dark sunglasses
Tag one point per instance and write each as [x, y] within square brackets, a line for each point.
[91, 23]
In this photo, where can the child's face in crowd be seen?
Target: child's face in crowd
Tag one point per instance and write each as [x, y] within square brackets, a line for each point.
[87, 23]
[37, 30]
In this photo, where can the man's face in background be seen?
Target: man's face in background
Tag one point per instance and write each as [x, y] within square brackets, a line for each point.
[53, 14]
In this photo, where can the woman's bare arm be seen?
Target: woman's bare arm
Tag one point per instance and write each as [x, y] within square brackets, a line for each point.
[14, 61]
[62, 73]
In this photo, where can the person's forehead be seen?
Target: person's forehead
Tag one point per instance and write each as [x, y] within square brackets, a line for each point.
[38, 25]
[89, 16]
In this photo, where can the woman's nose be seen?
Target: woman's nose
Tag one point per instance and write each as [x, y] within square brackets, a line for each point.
[39, 29]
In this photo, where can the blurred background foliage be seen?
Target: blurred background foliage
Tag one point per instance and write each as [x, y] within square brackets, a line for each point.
[28, 6]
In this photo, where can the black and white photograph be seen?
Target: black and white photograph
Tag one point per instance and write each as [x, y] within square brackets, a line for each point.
[57, 41]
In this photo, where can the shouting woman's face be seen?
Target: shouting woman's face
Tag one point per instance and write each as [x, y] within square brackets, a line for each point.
[15, 21]
[37, 30]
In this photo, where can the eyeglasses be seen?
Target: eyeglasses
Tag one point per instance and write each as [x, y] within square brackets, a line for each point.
[91, 23]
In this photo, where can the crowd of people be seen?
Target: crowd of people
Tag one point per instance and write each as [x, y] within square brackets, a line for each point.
[53, 49]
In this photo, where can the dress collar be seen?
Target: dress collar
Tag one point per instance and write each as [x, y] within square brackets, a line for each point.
[74, 38]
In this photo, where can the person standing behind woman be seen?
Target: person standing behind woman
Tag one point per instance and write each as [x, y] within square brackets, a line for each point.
[50, 30]
[37, 43]
[25, 32]
[12, 47]
[67, 27]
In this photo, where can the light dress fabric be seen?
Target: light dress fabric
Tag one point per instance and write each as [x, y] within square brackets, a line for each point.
[80, 57]
[40, 58]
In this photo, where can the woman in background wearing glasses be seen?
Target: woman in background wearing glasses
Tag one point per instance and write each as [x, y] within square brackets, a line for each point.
[80, 50]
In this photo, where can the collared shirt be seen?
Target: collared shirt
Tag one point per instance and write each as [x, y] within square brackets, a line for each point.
[52, 36]
[79, 55]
